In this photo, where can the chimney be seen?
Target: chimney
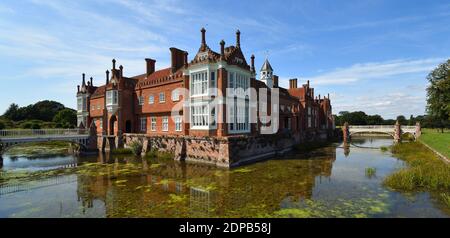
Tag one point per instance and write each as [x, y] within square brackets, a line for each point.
[177, 59]
[121, 71]
[203, 38]
[275, 81]
[238, 39]
[114, 63]
[292, 83]
[78, 88]
[222, 49]
[328, 97]
[186, 59]
[312, 92]
[307, 83]
[150, 66]
[92, 82]
[252, 63]
[107, 76]
[84, 81]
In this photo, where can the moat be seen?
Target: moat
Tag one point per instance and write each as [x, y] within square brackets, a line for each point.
[327, 182]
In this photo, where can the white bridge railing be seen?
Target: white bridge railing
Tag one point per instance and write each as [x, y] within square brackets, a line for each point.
[381, 127]
[30, 133]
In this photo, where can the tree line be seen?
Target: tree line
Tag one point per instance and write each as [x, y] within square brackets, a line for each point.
[43, 114]
[361, 118]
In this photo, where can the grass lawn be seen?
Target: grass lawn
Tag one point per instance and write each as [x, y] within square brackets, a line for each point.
[437, 140]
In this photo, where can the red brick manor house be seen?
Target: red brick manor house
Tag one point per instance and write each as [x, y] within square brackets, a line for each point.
[142, 107]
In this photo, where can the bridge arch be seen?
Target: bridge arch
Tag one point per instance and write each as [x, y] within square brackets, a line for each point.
[390, 134]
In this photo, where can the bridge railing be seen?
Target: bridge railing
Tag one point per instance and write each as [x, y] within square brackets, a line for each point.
[25, 133]
[382, 127]
[372, 127]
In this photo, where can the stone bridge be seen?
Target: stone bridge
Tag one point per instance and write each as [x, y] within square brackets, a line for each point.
[396, 131]
[86, 139]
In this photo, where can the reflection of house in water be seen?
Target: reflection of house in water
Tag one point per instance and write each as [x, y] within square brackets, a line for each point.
[199, 202]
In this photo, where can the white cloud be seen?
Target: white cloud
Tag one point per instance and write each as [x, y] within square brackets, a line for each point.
[378, 70]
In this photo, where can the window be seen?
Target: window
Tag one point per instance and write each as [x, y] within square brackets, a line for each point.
[151, 99]
[93, 107]
[98, 106]
[143, 124]
[213, 117]
[162, 97]
[239, 115]
[141, 100]
[79, 104]
[112, 97]
[199, 115]
[153, 125]
[199, 83]
[178, 125]
[213, 80]
[175, 95]
[165, 124]
[101, 123]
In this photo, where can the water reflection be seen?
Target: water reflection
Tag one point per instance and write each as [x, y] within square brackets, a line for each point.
[327, 182]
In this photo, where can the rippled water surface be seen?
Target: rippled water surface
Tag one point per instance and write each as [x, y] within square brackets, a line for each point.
[328, 182]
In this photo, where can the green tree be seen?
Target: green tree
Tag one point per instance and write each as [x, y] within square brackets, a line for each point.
[438, 95]
[66, 118]
[402, 120]
[12, 113]
[2, 125]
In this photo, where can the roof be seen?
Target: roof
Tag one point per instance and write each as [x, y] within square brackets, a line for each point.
[266, 66]
[99, 92]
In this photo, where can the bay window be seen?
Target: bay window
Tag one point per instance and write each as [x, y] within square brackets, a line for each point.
[165, 123]
[112, 97]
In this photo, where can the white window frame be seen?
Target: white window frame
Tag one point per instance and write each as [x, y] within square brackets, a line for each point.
[176, 95]
[140, 100]
[151, 99]
[162, 97]
[112, 97]
[165, 123]
[178, 123]
[153, 123]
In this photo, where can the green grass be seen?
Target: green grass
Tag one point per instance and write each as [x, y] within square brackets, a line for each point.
[424, 171]
[436, 140]
[371, 172]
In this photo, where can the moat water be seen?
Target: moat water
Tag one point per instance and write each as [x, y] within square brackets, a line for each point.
[327, 182]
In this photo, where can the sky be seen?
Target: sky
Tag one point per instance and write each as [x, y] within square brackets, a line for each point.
[369, 55]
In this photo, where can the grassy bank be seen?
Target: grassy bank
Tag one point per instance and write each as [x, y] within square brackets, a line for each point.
[424, 171]
[437, 140]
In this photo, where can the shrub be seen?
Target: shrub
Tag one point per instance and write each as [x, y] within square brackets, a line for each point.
[136, 147]
[155, 154]
[122, 151]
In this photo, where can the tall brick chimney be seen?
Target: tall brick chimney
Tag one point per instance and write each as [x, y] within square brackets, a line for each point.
[292, 83]
[107, 76]
[150, 66]
[177, 59]
[203, 38]
[275, 81]
[222, 48]
[252, 63]
[238, 39]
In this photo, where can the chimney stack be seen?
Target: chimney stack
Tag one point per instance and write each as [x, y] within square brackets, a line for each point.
[186, 59]
[114, 63]
[92, 81]
[121, 71]
[275, 81]
[84, 81]
[292, 83]
[107, 76]
[203, 38]
[328, 96]
[177, 59]
[238, 39]
[222, 49]
[78, 88]
[252, 63]
[150, 66]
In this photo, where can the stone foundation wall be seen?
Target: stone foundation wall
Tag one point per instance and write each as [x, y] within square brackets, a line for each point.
[223, 152]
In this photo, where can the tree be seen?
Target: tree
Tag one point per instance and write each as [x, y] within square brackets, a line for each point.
[438, 95]
[402, 120]
[12, 113]
[66, 118]
[2, 125]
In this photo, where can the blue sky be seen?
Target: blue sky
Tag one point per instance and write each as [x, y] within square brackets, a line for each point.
[370, 55]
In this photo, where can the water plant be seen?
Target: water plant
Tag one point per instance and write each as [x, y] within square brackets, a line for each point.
[384, 148]
[122, 151]
[156, 154]
[371, 172]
